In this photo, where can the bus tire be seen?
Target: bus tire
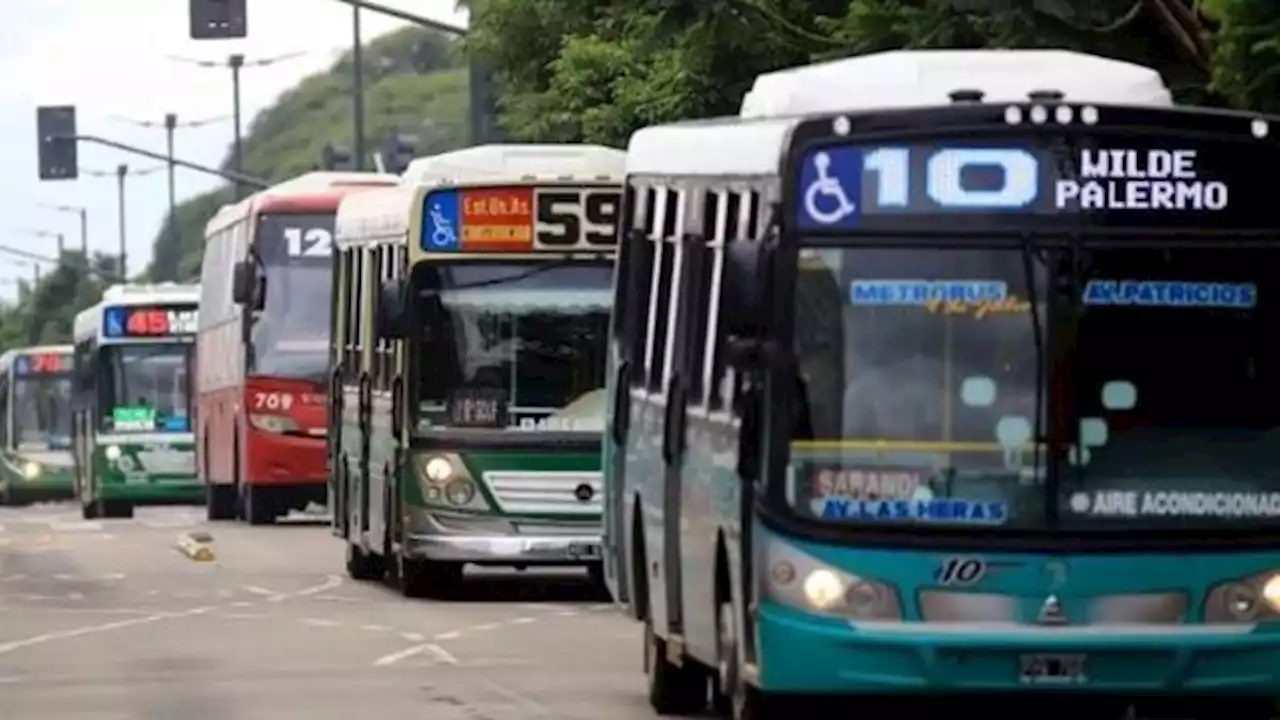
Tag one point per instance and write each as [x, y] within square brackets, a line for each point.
[220, 501]
[428, 578]
[259, 506]
[90, 510]
[362, 565]
[673, 689]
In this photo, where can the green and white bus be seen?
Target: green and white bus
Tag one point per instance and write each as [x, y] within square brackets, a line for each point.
[131, 431]
[470, 319]
[35, 424]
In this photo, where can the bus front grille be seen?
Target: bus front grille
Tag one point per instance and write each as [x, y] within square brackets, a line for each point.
[545, 493]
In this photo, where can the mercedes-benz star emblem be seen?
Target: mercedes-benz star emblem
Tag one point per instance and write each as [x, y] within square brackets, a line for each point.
[584, 492]
[1051, 612]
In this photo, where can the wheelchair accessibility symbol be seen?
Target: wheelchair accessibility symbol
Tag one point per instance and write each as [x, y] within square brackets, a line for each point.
[831, 181]
[440, 230]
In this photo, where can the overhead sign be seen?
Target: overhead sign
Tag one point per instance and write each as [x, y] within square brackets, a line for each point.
[1013, 182]
[521, 219]
[148, 321]
[42, 364]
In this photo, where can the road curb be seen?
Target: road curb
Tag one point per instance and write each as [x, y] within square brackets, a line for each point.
[196, 546]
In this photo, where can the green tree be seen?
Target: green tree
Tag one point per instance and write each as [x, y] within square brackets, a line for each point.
[596, 70]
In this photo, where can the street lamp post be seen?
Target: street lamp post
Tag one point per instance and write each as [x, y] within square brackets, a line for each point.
[122, 172]
[83, 214]
[237, 62]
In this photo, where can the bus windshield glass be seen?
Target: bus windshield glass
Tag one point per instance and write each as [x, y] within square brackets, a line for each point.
[918, 373]
[291, 333]
[515, 345]
[1175, 377]
[146, 388]
[42, 412]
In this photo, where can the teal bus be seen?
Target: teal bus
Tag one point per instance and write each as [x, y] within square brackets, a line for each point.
[35, 424]
[940, 373]
[131, 426]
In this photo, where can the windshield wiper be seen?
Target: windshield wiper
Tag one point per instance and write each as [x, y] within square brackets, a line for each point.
[524, 275]
[1037, 338]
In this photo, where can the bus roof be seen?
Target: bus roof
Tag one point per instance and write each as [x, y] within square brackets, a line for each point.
[310, 192]
[89, 321]
[382, 215]
[6, 360]
[519, 164]
[752, 143]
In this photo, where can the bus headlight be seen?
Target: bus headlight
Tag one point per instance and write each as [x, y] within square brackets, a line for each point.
[274, 424]
[112, 452]
[438, 469]
[1247, 600]
[801, 581]
[31, 470]
[460, 492]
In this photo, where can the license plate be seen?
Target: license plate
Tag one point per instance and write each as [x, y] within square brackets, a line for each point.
[584, 551]
[1052, 669]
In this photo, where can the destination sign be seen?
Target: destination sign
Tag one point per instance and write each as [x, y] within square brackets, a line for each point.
[1013, 182]
[293, 238]
[559, 218]
[42, 364]
[148, 321]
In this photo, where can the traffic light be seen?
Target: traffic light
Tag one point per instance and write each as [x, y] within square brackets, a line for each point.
[218, 19]
[398, 150]
[335, 157]
[56, 133]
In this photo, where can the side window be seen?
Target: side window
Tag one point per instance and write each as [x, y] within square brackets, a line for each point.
[4, 409]
[661, 308]
[383, 255]
[741, 225]
[706, 300]
[636, 263]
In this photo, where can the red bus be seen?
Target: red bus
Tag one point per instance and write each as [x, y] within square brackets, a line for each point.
[262, 347]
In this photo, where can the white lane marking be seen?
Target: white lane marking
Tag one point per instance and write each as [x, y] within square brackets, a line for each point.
[319, 622]
[440, 654]
[339, 599]
[241, 603]
[88, 611]
[243, 616]
[523, 620]
[108, 577]
[330, 582]
[567, 613]
[13, 578]
[258, 590]
[484, 628]
[75, 526]
[43, 638]
[375, 628]
[412, 637]
[449, 635]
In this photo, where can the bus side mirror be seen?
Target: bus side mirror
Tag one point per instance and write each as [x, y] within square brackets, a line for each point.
[743, 304]
[392, 313]
[248, 288]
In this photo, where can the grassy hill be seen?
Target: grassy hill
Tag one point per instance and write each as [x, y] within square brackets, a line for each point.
[415, 83]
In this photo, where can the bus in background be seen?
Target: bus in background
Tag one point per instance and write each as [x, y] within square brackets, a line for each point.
[35, 424]
[953, 373]
[131, 397]
[262, 347]
[469, 339]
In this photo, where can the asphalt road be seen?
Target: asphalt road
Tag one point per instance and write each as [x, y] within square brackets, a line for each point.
[106, 620]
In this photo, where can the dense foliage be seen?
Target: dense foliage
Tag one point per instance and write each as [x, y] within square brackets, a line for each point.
[414, 84]
[596, 70]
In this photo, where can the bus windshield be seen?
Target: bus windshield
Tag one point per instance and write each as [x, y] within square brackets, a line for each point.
[146, 388]
[1174, 379]
[291, 333]
[917, 382]
[514, 344]
[42, 412]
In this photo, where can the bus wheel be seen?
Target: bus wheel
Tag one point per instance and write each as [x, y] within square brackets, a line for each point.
[116, 509]
[673, 689]
[220, 501]
[90, 510]
[362, 565]
[428, 578]
[259, 506]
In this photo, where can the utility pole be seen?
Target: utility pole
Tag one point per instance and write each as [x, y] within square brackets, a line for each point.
[83, 214]
[122, 172]
[357, 91]
[236, 63]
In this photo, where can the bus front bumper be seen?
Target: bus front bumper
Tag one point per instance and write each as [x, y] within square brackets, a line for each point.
[808, 654]
[507, 549]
